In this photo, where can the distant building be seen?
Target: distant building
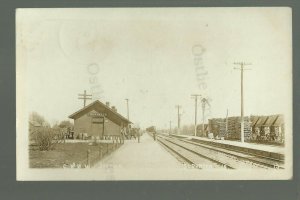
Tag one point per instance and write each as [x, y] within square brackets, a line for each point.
[259, 127]
[277, 129]
[266, 127]
[255, 132]
[98, 120]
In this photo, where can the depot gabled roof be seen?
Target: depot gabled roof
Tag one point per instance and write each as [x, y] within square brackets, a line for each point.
[100, 107]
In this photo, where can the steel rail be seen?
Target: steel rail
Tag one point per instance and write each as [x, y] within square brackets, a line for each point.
[227, 165]
[234, 153]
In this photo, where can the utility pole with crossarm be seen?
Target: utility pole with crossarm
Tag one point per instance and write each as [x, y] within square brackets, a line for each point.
[85, 97]
[242, 68]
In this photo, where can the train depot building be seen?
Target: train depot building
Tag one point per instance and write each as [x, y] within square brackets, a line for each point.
[98, 121]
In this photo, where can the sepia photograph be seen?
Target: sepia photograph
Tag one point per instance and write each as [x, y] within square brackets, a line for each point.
[154, 93]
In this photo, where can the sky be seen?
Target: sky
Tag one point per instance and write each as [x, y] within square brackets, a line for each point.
[152, 56]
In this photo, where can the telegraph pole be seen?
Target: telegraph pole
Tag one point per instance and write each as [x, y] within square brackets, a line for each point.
[241, 68]
[226, 125]
[85, 97]
[170, 127]
[178, 115]
[127, 108]
[195, 96]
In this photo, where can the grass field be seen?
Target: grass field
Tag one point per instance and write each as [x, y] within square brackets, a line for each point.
[65, 154]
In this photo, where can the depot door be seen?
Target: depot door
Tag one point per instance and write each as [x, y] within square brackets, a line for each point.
[98, 127]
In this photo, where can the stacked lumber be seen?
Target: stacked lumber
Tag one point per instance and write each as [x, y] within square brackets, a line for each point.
[247, 128]
[256, 128]
[214, 126]
[222, 129]
[231, 126]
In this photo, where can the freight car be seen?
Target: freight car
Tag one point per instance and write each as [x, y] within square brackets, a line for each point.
[151, 129]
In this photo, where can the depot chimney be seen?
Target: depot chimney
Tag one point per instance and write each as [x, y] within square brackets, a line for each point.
[114, 108]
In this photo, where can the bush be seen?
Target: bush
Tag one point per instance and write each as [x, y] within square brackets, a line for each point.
[46, 138]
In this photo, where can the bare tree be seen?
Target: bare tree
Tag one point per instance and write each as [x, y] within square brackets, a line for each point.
[46, 138]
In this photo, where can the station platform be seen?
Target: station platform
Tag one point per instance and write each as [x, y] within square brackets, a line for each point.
[147, 160]
[276, 152]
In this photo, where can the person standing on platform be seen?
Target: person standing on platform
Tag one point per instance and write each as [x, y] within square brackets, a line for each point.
[122, 135]
[154, 135]
[138, 136]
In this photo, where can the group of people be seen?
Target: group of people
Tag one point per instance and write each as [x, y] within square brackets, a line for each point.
[129, 133]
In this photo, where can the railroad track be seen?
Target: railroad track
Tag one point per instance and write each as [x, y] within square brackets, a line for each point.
[195, 154]
[263, 160]
[190, 157]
